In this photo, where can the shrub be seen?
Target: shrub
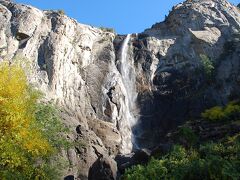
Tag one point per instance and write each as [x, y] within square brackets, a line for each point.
[210, 161]
[61, 12]
[154, 170]
[230, 112]
[214, 114]
[207, 65]
[49, 121]
[105, 29]
[170, 166]
[188, 135]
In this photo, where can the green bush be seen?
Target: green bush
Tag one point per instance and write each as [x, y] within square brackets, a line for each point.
[51, 127]
[208, 66]
[210, 161]
[214, 114]
[230, 112]
[49, 121]
[188, 135]
[154, 170]
[159, 169]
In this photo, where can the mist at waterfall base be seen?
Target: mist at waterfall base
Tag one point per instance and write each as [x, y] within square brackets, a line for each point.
[128, 74]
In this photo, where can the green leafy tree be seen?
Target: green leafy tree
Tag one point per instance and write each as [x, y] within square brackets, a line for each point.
[208, 66]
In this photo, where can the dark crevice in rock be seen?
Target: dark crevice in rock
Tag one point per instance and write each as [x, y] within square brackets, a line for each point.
[78, 151]
[97, 152]
[70, 177]
[94, 108]
[23, 39]
[54, 21]
[22, 44]
[110, 95]
[21, 36]
[78, 129]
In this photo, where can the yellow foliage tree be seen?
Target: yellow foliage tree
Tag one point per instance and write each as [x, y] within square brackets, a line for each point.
[21, 142]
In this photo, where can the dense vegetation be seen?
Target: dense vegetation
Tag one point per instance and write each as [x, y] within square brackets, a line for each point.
[29, 130]
[197, 160]
[209, 161]
[228, 113]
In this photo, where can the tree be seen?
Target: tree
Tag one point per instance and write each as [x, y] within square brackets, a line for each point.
[24, 144]
[208, 65]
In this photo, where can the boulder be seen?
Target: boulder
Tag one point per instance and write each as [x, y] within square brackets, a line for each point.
[103, 169]
[125, 161]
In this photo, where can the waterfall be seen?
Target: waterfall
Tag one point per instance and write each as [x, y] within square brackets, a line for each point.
[128, 75]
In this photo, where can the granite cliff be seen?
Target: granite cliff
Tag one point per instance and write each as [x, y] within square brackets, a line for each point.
[120, 93]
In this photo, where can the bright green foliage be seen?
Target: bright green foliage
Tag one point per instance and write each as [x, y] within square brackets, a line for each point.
[154, 170]
[213, 114]
[170, 166]
[229, 112]
[210, 161]
[25, 145]
[207, 65]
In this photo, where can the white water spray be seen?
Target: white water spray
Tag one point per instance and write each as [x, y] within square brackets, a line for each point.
[127, 71]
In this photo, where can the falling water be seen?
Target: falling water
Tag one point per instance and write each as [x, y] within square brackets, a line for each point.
[127, 71]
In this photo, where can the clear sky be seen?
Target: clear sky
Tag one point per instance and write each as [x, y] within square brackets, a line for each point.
[125, 16]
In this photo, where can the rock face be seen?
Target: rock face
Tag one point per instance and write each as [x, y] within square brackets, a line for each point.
[79, 68]
[103, 169]
[172, 54]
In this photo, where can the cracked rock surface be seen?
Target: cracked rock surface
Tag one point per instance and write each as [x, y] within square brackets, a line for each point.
[77, 67]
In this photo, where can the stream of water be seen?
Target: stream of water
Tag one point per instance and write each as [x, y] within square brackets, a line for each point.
[127, 71]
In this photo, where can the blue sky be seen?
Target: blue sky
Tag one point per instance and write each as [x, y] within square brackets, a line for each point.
[125, 16]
